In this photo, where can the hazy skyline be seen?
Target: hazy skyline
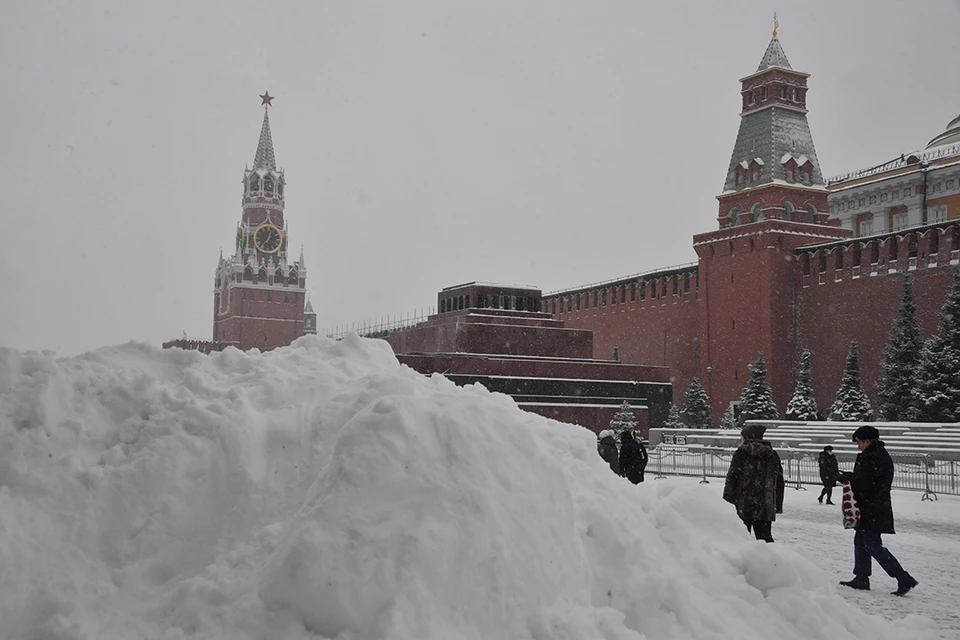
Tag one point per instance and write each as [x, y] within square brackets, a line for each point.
[425, 143]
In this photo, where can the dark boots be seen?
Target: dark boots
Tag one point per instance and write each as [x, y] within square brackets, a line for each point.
[903, 587]
[859, 582]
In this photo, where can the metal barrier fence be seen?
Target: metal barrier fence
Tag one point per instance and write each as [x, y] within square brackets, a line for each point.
[912, 472]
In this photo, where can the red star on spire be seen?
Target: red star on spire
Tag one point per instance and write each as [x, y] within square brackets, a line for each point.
[266, 98]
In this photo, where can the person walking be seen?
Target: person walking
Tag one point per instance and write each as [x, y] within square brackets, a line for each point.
[870, 480]
[607, 448]
[829, 473]
[755, 483]
[633, 457]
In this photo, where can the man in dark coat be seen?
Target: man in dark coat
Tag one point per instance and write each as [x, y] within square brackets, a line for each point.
[871, 480]
[829, 473]
[607, 448]
[754, 483]
[633, 457]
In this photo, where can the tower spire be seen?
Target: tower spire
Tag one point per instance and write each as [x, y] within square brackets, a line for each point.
[265, 159]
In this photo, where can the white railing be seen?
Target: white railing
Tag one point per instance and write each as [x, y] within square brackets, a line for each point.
[912, 472]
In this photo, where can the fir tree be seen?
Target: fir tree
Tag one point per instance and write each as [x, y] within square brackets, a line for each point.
[623, 420]
[673, 419]
[803, 405]
[900, 361]
[696, 412]
[756, 401]
[937, 394]
[852, 403]
[729, 420]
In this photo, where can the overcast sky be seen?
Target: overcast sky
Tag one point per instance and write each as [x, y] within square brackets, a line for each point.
[426, 143]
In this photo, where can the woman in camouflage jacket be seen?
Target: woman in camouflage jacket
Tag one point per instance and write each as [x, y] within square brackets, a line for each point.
[754, 483]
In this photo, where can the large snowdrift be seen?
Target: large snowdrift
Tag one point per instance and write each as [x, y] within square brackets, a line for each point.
[325, 490]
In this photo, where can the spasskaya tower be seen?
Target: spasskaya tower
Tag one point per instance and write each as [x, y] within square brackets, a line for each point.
[260, 291]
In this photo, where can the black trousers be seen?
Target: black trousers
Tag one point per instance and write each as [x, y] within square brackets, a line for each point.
[827, 491]
[762, 529]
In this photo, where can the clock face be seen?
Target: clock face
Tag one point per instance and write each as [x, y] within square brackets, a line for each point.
[267, 238]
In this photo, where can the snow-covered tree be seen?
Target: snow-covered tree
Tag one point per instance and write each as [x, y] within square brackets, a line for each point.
[673, 419]
[729, 420]
[937, 393]
[623, 420]
[803, 404]
[696, 412]
[756, 400]
[852, 403]
[896, 386]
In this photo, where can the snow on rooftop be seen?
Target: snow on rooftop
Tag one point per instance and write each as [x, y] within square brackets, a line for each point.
[322, 490]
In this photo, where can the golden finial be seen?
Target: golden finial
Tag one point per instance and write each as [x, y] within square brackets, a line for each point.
[776, 24]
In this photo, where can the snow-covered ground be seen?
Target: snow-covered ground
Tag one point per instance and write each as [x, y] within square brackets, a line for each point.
[324, 491]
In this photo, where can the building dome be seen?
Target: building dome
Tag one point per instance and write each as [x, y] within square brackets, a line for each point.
[950, 135]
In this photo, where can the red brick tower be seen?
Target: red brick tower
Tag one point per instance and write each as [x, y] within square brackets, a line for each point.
[260, 293]
[773, 201]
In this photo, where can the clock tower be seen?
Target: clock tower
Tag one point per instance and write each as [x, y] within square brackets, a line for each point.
[260, 291]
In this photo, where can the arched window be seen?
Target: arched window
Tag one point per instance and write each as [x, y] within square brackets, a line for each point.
[811, 215]
[734, 216]
[248, 273]
[788, 210]
[756, 211]
[268, 184]
[294, 278]
[278, 276]
[263, 274]
[254, 182]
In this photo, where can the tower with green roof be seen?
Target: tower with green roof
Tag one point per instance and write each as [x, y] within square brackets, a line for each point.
[774, 173]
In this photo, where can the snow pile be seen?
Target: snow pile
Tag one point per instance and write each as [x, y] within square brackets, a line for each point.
[325, 490]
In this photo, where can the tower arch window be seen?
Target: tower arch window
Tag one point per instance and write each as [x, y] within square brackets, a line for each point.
[734, 216]
[757, 212]
[811, 215]
[248, 273]
[294, 278]
[278, 276]
[262, 275]
[788, 210]
[254, 182]
[268, 184]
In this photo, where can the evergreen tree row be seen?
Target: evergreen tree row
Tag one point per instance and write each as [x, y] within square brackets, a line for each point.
[919, 381]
